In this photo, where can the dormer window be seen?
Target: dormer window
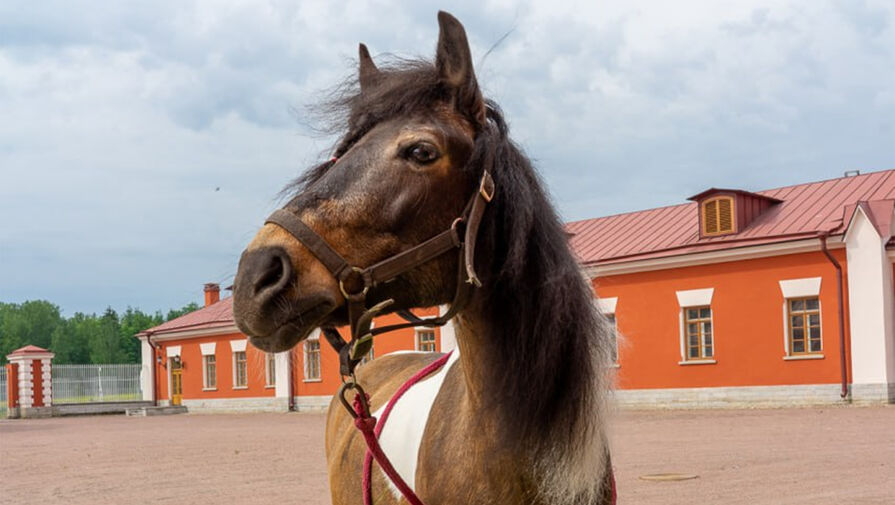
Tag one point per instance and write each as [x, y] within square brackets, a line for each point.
[717, 216]
[729, 211]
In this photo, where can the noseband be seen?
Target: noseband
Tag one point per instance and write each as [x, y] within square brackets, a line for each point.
[355, 282]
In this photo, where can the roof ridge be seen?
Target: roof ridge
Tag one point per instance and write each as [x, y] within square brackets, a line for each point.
[757, 192]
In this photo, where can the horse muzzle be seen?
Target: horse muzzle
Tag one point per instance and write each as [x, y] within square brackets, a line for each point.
[268, 305]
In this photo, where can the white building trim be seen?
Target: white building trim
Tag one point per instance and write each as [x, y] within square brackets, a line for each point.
[448, 332]
[172, 351]
[607, 305]
[707, 258]
[205, 332]
[238, 345]
[284, 374]
[800, 288]
[695, 297]
[146, 360]
[207, 348]
[871, 304]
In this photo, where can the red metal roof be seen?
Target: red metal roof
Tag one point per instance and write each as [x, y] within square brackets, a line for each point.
[805, 211]
[28, 349]
[216, 315]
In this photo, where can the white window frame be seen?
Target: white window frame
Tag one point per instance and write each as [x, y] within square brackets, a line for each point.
[416, 339]
[270, 359]
[235, 376]
[205, 385]
[690, 299]
[304, 350]
[208, 349]
[806, 287]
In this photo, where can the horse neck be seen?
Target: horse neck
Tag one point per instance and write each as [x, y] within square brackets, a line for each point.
[566, 474]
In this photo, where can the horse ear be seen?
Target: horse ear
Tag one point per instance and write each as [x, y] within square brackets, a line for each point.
[368, 71]
[454, 63]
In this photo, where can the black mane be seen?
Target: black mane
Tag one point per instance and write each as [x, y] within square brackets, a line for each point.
[546, 339]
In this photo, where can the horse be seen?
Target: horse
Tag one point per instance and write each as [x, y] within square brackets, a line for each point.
[517, 414]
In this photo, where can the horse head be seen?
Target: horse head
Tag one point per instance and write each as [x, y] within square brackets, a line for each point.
[398, 177]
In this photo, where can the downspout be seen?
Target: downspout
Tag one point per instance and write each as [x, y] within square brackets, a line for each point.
[291, 362]
[843, 393]
[152, 367]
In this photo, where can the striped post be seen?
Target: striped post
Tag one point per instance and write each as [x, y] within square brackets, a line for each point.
[30, 383]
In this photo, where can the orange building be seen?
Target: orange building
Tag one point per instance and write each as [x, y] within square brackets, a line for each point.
[777, 297]
[782, 296]
[202, 361]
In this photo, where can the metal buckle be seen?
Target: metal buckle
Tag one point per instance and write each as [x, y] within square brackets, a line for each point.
[361, 394]
[486, 177]
[354, 296]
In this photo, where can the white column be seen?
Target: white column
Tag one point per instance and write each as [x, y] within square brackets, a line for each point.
[147, 362]
[448, 332]
[47, 381]
[871, 310]
[284, 374]
[26, 382]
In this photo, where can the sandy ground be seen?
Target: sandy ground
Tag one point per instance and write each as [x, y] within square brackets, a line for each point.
[794, 456]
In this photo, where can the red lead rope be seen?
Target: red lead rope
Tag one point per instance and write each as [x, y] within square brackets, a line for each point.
[371, 430]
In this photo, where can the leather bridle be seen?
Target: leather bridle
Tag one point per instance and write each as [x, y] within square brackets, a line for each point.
[355, 282]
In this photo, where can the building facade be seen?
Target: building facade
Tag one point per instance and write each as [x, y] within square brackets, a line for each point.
[203, 362]
[784, 296]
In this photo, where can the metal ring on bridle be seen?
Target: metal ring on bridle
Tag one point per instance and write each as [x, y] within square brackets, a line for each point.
[354, 296]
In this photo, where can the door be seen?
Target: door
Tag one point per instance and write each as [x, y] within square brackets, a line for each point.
[176, 382]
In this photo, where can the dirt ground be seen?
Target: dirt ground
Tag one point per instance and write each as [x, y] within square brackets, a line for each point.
[793, 456]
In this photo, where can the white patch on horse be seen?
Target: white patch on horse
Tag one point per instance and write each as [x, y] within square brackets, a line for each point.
[402, 435]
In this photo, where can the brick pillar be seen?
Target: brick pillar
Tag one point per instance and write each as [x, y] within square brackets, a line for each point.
[34, 381]
[12, 389]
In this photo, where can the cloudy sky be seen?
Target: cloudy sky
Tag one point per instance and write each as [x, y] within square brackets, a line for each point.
[142, 144]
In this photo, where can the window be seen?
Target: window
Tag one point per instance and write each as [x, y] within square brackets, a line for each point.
[613, 337]
[240, 374]
[312, 360]
[698, 333]
[270, 369]
[209, 372]
[803, 315]
[425, 341]
[717, 216]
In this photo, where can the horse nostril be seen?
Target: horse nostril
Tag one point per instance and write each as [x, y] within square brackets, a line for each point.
[268, 271]
[272, 274]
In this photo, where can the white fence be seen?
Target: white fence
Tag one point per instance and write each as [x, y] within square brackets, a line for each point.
[96, 383]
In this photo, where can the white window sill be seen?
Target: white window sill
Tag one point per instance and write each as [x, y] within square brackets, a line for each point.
[240, 387]
[799, 357]
[209, 389]
[312, 380]
[615, 365]
[697, 362]
[270, 386]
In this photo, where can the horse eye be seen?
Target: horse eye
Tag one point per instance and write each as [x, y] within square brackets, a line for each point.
[423, 153]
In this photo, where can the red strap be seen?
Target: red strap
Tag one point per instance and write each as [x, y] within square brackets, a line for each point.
[371, 430]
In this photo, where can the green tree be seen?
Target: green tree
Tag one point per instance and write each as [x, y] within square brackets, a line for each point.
[134, 321]
[71, 339]
[104, 343]
[186, 309]
[29, 323]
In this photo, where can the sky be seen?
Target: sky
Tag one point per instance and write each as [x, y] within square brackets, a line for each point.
[143, 143]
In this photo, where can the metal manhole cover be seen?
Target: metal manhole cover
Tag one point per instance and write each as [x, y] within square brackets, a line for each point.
[668, 476]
